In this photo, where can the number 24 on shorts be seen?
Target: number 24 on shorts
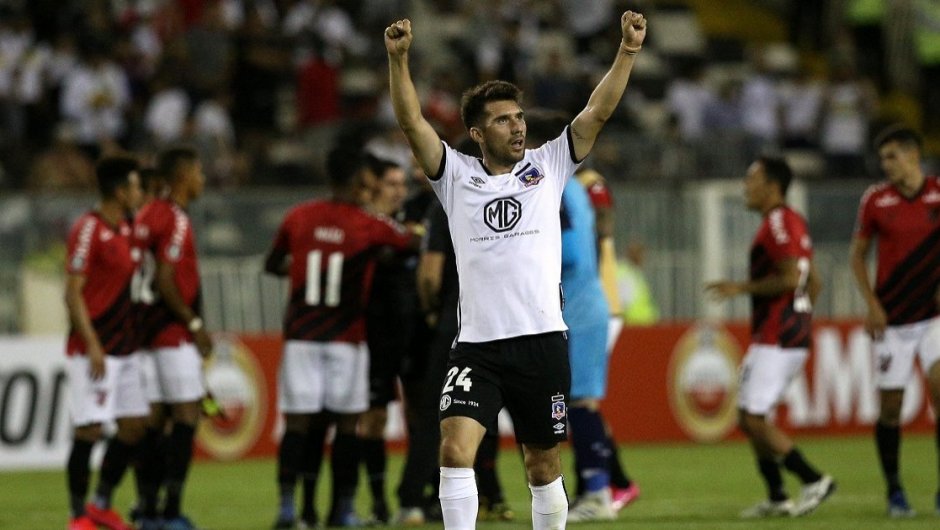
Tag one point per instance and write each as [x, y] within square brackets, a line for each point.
[463, 380]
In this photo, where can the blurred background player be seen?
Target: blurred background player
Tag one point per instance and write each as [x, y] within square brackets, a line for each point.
[104, 374]
[390, 322]
[328, 249]
[783, 285]
[902, 213]
[174, 331]
[623, 489]
[638, 305]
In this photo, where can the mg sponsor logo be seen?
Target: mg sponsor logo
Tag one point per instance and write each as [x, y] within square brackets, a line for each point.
[502, 215]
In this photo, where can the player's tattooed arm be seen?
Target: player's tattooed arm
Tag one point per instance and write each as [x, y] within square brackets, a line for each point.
[606, 96]
[425, 143]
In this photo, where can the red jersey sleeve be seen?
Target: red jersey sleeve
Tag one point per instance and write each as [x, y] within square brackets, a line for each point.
[386, 231]
[865, 226]
[81, 245]
[786, 234]
[170, 236]
[600, 195]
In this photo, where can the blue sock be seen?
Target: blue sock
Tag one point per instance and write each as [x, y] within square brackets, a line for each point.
[591, 451]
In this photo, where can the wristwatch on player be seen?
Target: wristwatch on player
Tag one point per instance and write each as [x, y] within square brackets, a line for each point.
[195, 325]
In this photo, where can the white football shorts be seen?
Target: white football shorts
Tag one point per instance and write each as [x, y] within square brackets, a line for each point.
[116, 395]
[766, 372]
[894, 353]
[318, 376]
[179, 374]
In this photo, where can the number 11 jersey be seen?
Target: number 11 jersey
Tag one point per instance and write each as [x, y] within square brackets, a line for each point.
[333, 247]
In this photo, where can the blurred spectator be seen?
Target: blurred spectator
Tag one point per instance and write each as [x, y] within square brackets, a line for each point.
[587, 20]
[760, 107]
[209, 52]
[318, 90]
[865, 19]
[442, 108]
[555, 85]
[167, 111]
[214, 136]
[16, 39]
[927, 46]
[722, 114]
[801, 99]
[848, 107]
[95, 97]
[63, 166]
[686, 99]
[639, 307]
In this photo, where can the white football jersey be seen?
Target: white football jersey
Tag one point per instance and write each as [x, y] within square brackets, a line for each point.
[506, 231]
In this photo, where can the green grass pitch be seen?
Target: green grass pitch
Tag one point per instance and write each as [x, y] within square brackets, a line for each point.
[683, 487]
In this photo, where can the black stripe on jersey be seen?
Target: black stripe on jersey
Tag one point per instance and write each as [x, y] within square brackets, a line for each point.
[913, 283]
[114, 325]
[525, 167]
[571, 153]
[794, 328]
[440, 170]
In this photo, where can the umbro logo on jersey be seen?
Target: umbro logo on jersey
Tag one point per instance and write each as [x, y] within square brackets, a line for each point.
[477, 181]
[531, 177]
[502, 215]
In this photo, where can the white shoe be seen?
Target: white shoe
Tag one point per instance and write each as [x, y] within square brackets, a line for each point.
[769, 508]
[412, 516]
[594, 506]
[814, 494]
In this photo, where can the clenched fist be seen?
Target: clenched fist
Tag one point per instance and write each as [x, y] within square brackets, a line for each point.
[633, 26]
[398, 37]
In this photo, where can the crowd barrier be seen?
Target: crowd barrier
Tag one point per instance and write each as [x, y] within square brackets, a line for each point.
[667, 383]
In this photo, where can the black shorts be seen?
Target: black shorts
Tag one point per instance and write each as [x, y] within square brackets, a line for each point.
[528, 375]
[388, 343]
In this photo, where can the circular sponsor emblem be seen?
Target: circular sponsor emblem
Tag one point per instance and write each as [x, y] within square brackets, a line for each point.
[237, 383]
[445, 402]
[702, 389]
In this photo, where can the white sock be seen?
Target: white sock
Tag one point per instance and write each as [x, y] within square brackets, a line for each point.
[549, 506]
[459, 498]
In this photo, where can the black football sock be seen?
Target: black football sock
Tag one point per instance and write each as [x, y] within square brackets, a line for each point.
[344, 461]
[770, 470]
[795, 463]
[116, 459]
[485, 469]
[618, 474]
[591, 456]
[289, 456]
[79, 475]
[373, 454]
[150, 466]
[314, 441]
[888, 440]
[179, 455]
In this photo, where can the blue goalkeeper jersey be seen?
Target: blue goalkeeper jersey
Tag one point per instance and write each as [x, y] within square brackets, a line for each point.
[585, 304]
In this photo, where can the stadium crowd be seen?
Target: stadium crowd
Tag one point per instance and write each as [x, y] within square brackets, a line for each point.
[261, 86]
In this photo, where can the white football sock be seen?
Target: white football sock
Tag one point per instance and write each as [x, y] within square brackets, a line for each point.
[459, 498]
[549, 506]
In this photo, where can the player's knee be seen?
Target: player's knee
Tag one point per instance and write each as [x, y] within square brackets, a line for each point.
[751, 425]
[372, 423]
[88, 433]
[131, 430]
[456, 454]
[296, 422]
[890, 413]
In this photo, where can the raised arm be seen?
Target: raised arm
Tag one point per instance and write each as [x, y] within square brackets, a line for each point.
[425, 143]
[606, 96]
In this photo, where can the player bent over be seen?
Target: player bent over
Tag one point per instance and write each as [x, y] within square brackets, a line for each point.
[104, 376]
[783, 285]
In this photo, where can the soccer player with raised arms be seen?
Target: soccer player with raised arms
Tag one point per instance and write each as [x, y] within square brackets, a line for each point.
[503, 214]
[783, 285]
[903, 214]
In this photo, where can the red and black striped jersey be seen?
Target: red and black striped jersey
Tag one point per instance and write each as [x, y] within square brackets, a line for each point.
[102, 254]
[333, 247]
[782, 319]
[908, 232]
[163, 233]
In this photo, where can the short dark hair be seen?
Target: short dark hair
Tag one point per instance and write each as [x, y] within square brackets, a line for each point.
[901, 134]
[113, 172]
[170, 160]
[543, 125]
[474, 100]
[777, 170]
[380, 165]
[343, 163]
